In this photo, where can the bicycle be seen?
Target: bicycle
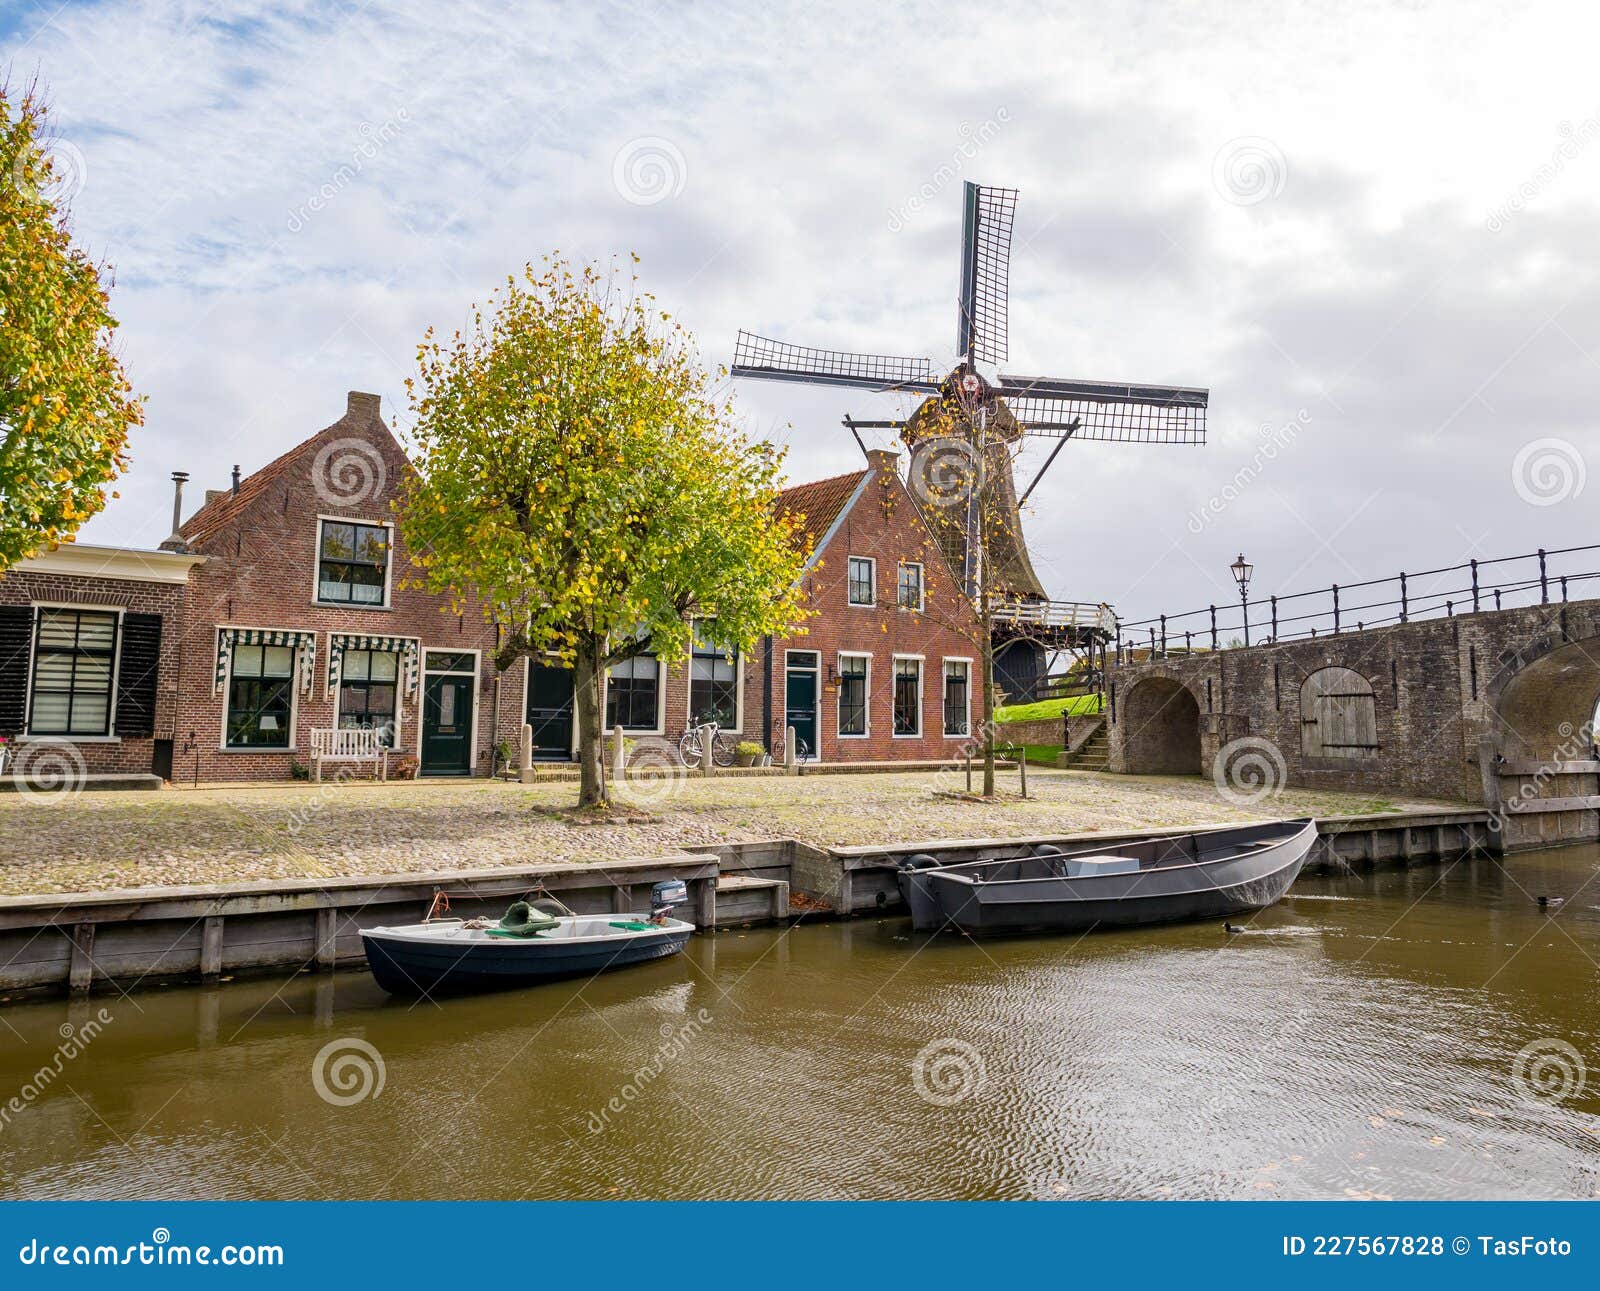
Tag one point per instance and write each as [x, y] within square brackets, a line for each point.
[723, 747]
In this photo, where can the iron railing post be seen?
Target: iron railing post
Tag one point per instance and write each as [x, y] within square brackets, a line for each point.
[1544, 581]
[1213, 627]
[1563, 589]
[1474, 586]
[1403, 606]
[1336, 609]
[1163, 636]
[1274, 618]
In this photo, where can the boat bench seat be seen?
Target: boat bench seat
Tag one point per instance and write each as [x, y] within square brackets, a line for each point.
[1081, 867]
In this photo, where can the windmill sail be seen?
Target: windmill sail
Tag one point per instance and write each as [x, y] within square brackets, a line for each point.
[1103, 410]
[981, 323]
[761, 356]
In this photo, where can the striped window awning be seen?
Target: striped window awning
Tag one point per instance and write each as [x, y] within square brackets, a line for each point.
[303, 643]
[408, 648]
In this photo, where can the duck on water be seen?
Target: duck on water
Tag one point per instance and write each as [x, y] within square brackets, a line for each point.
[1207, 874]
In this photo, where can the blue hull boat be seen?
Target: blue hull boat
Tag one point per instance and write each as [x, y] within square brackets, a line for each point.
[450, 955]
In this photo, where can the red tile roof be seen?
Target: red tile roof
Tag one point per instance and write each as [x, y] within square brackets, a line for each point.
[815, 506]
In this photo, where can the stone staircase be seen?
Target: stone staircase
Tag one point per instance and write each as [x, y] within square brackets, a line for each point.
[1093, 754]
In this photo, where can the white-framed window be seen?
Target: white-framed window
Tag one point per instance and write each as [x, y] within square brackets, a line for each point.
[713, 681]
[855, 690]
[353, 560]
[260, 709]
[633, 694]
[863, 581]
[72, 682]
[907, 695]
[957, 697]
[369, 690]
[908, 590]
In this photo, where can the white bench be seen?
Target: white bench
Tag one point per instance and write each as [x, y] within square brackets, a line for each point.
[352, 744]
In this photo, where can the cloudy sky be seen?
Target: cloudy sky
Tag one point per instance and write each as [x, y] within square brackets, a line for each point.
[1368, 228]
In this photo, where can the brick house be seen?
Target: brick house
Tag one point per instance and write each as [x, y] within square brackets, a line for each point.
[274, 611]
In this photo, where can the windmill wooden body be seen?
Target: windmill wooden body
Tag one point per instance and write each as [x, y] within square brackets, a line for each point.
[963, 435]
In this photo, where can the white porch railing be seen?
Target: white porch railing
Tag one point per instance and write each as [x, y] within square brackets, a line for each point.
[349, 744]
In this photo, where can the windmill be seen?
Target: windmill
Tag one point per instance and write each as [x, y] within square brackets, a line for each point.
[963, 435]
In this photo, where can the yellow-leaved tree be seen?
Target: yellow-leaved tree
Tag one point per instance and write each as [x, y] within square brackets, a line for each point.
[576, 471]
[65, 405]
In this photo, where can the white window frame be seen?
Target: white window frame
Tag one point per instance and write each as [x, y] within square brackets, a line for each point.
[476, 674]
[922, 585]
[943, 682]
[688, 689]
[294, 704]
[922, 694]
[111, 736]
[399, 695]
[388, 567]
[872, 563]
[628, 732]
[867, 732]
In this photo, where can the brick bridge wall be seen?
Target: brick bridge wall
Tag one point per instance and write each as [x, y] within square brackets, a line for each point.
[1492, 708]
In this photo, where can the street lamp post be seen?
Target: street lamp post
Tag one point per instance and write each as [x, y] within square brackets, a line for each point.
[1242, 570]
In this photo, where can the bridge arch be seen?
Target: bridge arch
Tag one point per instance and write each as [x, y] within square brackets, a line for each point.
[1546, 709]
[1161, 718]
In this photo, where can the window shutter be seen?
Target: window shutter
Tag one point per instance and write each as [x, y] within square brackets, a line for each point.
[16, 644]
[136, 674]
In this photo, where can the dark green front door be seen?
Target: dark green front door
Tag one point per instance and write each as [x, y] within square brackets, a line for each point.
[447, 725]
[800, 708]
[550, 712]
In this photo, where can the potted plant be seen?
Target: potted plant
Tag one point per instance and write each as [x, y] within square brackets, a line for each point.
[747, 753]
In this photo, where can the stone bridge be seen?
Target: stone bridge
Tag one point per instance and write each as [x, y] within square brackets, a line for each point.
[1494, 708]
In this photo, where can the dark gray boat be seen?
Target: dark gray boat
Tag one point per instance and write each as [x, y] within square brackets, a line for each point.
[1208, 874]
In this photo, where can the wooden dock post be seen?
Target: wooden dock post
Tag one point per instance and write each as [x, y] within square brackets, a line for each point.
[705, 903]
[80, 973]
[211, 948]
[327, 937]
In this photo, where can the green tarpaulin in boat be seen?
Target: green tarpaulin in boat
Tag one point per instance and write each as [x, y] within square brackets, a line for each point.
[522, 920]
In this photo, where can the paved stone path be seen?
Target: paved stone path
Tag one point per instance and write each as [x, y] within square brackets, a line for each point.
[94, 841]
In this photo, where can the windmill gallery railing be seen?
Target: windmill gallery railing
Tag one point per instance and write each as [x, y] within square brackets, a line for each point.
[1534, 578]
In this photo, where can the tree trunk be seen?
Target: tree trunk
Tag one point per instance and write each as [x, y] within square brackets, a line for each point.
[586, 672]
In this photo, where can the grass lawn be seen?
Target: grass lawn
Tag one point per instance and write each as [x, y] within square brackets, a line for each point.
[94, 841]
[1076, 705]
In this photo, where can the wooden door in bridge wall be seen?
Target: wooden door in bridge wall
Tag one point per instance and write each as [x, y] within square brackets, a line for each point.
[1338, 716]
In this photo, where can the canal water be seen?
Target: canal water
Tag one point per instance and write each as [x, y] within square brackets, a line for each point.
[1408, 1034]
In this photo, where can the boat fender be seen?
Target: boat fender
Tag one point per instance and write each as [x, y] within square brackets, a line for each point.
[921, 861]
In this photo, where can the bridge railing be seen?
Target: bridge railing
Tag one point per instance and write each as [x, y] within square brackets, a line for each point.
[1538, 577]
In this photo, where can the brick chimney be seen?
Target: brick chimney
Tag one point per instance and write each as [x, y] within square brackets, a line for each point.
[360, 404]
[883, 460]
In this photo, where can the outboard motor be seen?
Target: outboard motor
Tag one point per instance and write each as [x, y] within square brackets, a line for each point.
[664, 896]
